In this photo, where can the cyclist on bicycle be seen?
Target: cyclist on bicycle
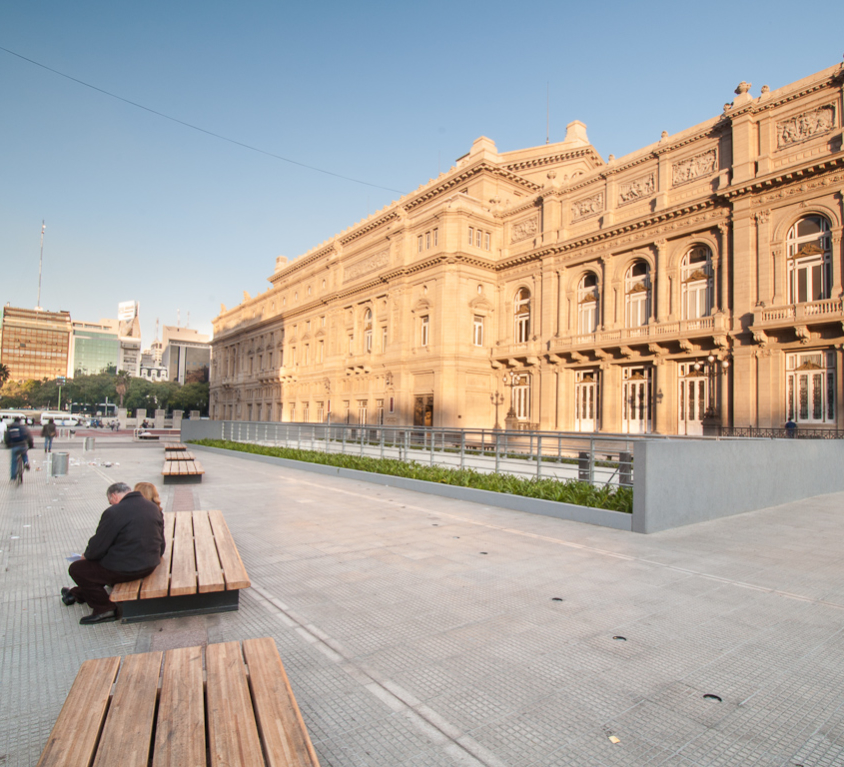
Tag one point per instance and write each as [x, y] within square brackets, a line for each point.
[18, 438]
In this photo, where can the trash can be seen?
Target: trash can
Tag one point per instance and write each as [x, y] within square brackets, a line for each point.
[58, 464]
[89, 444]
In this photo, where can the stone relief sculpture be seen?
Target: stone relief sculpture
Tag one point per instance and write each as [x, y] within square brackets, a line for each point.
[694, 167]
[636, 189]
[524, 229]
[806, 125]
[371, 264]
[589, 206]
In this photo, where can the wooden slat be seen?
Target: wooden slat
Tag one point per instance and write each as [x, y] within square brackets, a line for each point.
[178, 455]
[157, 583]
[127, 735]
[232, 731]
[233, 569]
[125, 592]
[280, 725]
[175, 446]
[180, 728]
[209, 573]
[75, 733]
[183, 568]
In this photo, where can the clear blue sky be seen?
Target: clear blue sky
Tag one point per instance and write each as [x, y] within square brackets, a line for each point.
[139, 207]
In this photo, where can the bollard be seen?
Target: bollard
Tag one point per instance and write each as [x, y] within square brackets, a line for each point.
[584, 468]
[625, 469]
[89, 444]
[59, 464]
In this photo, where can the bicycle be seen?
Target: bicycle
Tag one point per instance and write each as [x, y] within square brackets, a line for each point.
[19, 469]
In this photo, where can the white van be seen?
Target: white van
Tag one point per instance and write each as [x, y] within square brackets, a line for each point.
[61, 418]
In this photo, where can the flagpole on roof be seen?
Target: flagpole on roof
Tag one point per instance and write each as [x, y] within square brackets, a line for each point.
[40, 262]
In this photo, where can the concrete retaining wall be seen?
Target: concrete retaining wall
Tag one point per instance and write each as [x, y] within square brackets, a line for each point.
[681, 482]
[614, 519]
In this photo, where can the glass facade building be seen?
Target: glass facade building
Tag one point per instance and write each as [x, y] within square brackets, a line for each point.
[94, 347]
[34, 343]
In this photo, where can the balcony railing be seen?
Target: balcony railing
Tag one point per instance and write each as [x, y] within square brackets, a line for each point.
[654, 330]
[791, 312]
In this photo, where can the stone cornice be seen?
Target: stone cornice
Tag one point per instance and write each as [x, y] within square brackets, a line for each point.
[652, 225]
[587, 152]
[301, 263]
[461, 177]
[834, 80]
[365, 228]
[820, 167]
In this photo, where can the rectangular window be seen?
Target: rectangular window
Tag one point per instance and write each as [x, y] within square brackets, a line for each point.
[351, 344]
[436, 237]
[810, 387]
[478, 330]
[384, 338]
[478, 238]
[427, 240]
[419, 244]
[321, 352]
[322, 320]
[362, 411]
[471, 235]
[307, 353]
[423, 336]
[486, 240]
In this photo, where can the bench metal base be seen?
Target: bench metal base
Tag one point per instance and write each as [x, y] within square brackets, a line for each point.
[173, 607]
[182, 479]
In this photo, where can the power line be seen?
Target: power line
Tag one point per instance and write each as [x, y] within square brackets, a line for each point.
[197, 128]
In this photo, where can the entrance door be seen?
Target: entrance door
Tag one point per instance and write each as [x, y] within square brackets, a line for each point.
[636, 410]
[692, 401]
[586, 401]
[423, 411]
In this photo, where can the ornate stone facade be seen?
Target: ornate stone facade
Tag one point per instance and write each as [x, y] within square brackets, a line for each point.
[700, 276]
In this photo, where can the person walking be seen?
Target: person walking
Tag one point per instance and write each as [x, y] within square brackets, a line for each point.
[48, 432]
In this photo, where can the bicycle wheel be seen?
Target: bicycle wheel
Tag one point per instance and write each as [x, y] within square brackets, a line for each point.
[19, 470]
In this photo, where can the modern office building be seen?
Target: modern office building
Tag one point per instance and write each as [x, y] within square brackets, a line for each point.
[698, 278]
[34, 343]
[129, 335]
[94, 347]
[186, 356]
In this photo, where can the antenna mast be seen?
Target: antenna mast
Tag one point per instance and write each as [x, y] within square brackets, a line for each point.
[40, 262]
[548, 112]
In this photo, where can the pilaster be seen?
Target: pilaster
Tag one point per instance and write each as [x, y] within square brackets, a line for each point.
[660, 311]
[763, 261]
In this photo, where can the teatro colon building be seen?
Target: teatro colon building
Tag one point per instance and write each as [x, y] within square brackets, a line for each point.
[697, 278]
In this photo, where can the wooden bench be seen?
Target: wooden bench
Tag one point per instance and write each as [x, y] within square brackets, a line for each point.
[181, 471]
[171, 454]
[243, 714]
[200, 572]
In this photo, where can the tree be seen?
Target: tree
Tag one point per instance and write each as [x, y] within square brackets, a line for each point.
[121, 384]
[4, 374]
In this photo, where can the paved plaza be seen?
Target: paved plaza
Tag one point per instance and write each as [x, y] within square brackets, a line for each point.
[421, 631]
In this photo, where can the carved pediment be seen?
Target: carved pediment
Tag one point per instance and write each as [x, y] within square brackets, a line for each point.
[809, 249]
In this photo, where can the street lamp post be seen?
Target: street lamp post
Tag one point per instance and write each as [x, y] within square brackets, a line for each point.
[510, 379]
[711, 367]
[497, 399]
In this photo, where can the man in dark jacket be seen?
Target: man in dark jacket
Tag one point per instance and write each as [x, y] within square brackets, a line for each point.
[18, 438]
[128, 545]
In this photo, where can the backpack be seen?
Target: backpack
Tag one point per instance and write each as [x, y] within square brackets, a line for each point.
[15, 435]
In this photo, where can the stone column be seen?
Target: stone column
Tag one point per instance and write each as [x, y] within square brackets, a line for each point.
[837, 256]
[660, 311]
[611, 393]
[722, 275]
[764, 290]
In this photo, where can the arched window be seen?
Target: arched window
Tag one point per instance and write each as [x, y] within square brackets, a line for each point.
[588, 303]
[637, 295]
[809, 250]
[367, 331]
[521, 311]
[696, 276]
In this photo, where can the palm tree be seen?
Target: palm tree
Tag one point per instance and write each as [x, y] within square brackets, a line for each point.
[120, 385]
[4, 374]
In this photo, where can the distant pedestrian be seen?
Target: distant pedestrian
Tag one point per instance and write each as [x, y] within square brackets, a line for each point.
[48, 432]
[790, 428]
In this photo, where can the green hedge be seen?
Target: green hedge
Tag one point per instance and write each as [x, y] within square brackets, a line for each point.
[579, 493]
